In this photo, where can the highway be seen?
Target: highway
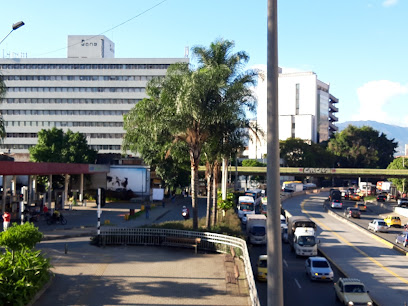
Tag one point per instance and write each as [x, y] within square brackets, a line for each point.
[383, 270]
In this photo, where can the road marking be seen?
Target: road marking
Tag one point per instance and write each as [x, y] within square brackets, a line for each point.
[286, 264]
[297, 283]
[353, 246]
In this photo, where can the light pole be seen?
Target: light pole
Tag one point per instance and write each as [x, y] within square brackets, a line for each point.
[13, 27]
[403, 167]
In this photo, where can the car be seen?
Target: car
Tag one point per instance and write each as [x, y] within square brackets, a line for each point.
[284, 233]
[378, 225]
[318, 268]
[336, 204]
[352, 212]
[262, 268]
[283, 221]
[351, 291]
[360, 206]
[403, 202]
[344, 194]
[381, 198]
[402, 238]
[393, 221]
[355, 197]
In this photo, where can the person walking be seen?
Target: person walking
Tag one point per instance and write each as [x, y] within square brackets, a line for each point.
[6, 220]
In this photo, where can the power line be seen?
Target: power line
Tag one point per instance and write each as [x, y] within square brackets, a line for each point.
[134, 17]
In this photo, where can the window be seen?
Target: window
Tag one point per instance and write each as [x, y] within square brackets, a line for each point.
[297, 98]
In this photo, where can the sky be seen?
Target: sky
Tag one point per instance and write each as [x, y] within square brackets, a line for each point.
[359, 47]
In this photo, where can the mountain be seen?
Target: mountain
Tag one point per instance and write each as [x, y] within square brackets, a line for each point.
[398, 133]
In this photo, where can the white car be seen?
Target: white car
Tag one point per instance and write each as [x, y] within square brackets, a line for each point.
[378, 225]
[283, 221]
[336, 204]
[318, 268]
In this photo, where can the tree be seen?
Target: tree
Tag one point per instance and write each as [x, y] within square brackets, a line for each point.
[298, 153]
[188, 107]
[236, 98]
[362, 148]
[55, 146]
[252, 163]
[399, 163]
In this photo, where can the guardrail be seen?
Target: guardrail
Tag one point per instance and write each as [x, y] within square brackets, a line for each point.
[209, 241]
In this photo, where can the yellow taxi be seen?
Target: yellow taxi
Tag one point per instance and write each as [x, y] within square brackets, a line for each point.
[355, 197]
[262, 268]
[361, 206]
[393, 221]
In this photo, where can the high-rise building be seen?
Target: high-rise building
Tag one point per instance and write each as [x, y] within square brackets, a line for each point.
[306, 110]
[87, 92]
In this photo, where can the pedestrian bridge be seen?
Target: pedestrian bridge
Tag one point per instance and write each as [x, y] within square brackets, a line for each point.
[327, 172]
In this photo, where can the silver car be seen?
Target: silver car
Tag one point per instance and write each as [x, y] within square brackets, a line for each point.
[378, 225]
[318, 268]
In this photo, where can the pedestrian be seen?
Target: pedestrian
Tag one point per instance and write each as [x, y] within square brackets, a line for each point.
[6, 220]
[147, 208]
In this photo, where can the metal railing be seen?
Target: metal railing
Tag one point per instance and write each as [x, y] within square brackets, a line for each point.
[209, 241]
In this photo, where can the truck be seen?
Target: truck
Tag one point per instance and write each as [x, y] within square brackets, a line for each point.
[302, 236]
[293, 187]
[256, 228]
[334, 194]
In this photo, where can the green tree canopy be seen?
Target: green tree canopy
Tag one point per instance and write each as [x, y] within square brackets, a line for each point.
[399, 163]
[56, 146]
[298, 153]
[252, 163]
[362, 148]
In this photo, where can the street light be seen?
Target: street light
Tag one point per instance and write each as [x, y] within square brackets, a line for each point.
[14, 27]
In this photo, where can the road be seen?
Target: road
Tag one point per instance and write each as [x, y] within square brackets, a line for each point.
[356, 252]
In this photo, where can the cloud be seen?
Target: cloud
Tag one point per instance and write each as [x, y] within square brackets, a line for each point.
[375, 96]
[388, 3]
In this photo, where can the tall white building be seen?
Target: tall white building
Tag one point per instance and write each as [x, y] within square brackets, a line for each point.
[87, 92]
[306, 110]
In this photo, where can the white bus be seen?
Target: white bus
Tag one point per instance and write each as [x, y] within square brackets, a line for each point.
[246, 206]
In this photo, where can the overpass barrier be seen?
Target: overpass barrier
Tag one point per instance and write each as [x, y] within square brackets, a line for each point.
[209, 241]
[401, 211]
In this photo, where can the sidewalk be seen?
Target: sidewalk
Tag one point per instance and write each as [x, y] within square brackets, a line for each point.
[82, 220]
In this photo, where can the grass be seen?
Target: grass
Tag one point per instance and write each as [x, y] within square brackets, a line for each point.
[228, 225]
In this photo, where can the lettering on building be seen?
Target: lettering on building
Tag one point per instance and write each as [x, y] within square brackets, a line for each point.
[88, 44]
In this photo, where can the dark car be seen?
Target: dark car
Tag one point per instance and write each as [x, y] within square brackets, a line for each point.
[352, 212]
[403, 202]
[381, 198]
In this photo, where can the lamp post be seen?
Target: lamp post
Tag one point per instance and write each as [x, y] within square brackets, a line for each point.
[15, 26]
[403, 167]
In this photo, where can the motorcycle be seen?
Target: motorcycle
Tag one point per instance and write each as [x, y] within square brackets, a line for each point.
[185, 214]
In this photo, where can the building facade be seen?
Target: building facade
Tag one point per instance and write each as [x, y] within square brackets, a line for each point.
[87, 92]
[306, 110]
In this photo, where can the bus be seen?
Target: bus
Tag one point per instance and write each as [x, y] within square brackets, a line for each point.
[289, 183]
[256, 194]
[246, 205]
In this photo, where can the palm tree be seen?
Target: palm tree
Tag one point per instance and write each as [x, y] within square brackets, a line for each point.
[236, 97]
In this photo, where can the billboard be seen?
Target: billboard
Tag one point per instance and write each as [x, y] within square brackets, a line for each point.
[135, 178]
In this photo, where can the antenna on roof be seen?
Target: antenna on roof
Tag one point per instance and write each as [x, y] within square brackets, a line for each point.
[186, 51]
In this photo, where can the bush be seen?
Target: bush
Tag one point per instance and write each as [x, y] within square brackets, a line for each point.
[22, 277]
[23, 272]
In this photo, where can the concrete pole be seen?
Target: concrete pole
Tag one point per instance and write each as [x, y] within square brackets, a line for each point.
[81, 187]
[65, 197]
[224, 178]
[274, 242]
[3, 207]
[49, 190]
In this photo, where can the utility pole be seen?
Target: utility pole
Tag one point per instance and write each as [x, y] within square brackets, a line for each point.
[274, 242]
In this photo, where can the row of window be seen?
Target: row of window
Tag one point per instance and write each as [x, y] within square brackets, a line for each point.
[92, 135]
[77, 78]
[76, 89]
[48, 112]
[71, 101]
[5, 147]
[62, 124]
[84, 66]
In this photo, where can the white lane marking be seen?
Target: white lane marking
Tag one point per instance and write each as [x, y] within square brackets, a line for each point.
[286, 264]
[297, 283]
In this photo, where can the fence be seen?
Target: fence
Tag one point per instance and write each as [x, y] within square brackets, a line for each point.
[209, 241]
